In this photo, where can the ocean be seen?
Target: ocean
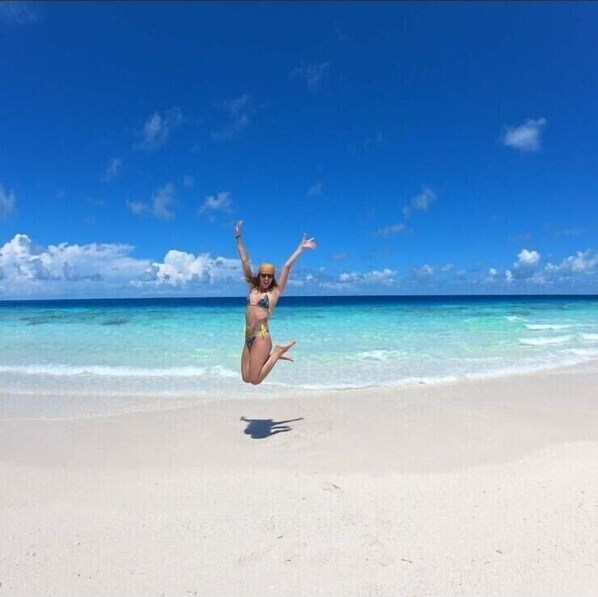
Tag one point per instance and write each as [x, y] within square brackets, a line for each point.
[77, 358]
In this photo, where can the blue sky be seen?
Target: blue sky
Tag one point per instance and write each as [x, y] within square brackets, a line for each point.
[431, 148]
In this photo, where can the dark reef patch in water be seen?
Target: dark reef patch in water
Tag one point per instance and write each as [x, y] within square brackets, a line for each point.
[115, 322]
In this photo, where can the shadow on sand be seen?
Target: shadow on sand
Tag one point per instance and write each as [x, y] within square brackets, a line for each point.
[263, 428]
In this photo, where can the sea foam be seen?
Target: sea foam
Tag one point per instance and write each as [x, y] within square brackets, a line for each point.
[115, 371]
[545, 341]
[540, 327]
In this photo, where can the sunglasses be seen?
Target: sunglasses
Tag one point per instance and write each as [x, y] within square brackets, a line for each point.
[266, 275]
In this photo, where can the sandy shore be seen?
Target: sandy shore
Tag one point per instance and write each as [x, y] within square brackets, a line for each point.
[478, 488]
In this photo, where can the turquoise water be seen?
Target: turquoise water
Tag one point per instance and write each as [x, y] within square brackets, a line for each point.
[72, 358]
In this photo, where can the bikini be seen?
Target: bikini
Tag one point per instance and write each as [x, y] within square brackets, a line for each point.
[259, 328]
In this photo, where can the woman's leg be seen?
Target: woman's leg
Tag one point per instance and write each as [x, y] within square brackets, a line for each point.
[262, 360]
[245, 361]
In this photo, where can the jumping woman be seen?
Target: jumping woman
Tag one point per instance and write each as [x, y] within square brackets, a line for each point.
[258, 357]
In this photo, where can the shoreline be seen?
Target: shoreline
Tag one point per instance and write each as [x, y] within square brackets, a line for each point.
[151, 403]
[471, 488]
[467, 405]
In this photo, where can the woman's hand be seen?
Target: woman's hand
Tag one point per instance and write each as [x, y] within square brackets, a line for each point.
[307, 243]
[238, 227]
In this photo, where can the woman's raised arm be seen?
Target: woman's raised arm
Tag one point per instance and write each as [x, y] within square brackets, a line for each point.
[306, 243]
[243, 252]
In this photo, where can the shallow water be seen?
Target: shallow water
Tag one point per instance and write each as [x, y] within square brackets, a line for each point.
[69, 358]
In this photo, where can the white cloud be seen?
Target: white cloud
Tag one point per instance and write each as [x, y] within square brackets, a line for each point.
[112, 169]
[420, 202]
[571, 273]
[582, 263]
[315, 190]
[425, 272]
[157, 128]
[390, 230]
[492, 276]
[302, 280]
[527, 258]
[312, 75]
[188, 182]
[237, 111]
[216, 203]
[386, 277]
[184, 270]
[30, 270]
[526, 265]
[70, 270]
[525, 137]
[7, 202]
[19, 13]
[27, 270]
[160, 206]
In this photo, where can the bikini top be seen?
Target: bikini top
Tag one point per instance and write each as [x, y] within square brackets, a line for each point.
[263, 302]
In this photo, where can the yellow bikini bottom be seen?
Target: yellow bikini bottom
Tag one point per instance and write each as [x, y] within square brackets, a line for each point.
[259, 329]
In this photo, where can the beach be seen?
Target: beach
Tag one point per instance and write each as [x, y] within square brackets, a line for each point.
[481, 487]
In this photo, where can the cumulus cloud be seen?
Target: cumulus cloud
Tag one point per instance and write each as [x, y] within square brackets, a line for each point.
[572, 272]
[425, 272]
[525, 268]
[312, 75]
[185, 270]
[19, 13]
[526, 264]
[7, 202]
[221, 202]
[237, 112]
[582, 263]
[420, 202]
[302, 279]
[525, 137]
[158, 127]
[112, 169]
[492, 274]
[578, 271]
[527, 258]
[385, 277]
[28, 270]
[160, 205]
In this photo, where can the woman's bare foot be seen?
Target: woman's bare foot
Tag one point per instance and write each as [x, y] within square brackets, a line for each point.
[280, 349]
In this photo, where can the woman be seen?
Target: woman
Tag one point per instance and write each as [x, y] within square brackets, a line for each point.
[258, 358]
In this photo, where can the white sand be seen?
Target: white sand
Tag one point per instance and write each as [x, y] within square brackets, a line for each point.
[479, 488]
